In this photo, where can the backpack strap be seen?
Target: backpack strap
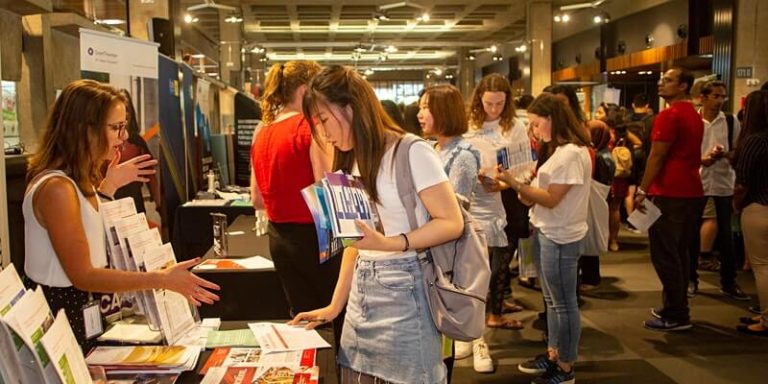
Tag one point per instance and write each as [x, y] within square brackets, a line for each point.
[729, 120]
[406, 188]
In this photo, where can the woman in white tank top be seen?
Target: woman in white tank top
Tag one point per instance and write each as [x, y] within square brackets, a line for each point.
[64, 236]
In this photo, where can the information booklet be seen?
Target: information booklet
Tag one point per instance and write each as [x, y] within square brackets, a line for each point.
[335, 203]
[65, 354]
[229, 375]
[519, 158]
[144, 359]
[293, 375]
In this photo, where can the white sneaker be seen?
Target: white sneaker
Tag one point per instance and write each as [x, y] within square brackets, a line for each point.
[482, 359]
[463, 349]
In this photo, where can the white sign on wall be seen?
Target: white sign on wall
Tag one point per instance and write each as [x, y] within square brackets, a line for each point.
[108, 53]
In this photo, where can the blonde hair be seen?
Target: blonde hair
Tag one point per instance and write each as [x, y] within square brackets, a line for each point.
[282, 82]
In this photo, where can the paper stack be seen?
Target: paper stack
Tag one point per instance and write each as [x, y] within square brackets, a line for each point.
[144, 359]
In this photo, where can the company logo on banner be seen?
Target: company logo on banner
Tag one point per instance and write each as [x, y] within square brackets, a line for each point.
[108, 53]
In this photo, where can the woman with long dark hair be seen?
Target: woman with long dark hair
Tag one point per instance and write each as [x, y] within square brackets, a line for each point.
[389, 334]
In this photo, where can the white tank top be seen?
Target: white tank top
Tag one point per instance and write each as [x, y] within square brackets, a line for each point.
[41, 263]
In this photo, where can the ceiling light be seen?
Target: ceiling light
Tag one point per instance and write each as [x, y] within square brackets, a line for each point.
[470, 57]
[190, 19]
[258, 50]
[424, 17]
[381, 16]
[449, 76]
[300, 55]
[197, 56]
[566, 18]
[368, 72]
[391, 49]
[493, 48]
[212, 74]
[328, 54]
[558, 19]
[438, 71]
[597, 19]
[234, 19]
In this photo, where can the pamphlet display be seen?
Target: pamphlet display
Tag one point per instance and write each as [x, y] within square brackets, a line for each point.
[35, 347]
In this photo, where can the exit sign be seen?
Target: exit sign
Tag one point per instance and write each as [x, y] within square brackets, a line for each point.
[743, 72]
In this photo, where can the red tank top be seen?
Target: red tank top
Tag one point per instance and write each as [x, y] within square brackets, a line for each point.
[280, 160]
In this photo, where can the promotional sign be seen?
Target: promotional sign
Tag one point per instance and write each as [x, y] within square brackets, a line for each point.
[247, 118]
[109, 53]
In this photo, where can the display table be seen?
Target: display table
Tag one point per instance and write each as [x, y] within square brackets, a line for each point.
[245, 294]
[325, 359]
[193, 228]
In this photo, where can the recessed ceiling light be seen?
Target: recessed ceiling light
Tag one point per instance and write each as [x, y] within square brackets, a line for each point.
[197, 56]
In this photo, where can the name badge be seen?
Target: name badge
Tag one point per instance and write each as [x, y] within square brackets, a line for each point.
[92, 320]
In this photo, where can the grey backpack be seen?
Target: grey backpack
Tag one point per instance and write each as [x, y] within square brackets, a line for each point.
[456, 273]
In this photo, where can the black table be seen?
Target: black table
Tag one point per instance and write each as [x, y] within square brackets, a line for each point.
[325, 358]
[192, 229]
[245, 294]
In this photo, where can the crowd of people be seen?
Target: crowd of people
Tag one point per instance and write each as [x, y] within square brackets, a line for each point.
[697, 165]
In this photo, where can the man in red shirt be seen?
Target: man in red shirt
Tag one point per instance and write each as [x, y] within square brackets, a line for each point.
[673, 184]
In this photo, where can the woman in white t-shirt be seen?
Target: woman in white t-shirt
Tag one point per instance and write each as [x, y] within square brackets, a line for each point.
[388, 331]
[560, 197]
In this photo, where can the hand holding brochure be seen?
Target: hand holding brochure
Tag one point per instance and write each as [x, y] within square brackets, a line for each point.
[335, 203]
[643, 220]
[517, 158]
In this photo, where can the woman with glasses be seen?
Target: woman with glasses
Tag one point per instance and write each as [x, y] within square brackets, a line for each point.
[65, 251]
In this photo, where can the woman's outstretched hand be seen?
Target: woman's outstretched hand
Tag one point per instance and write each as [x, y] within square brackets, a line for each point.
[178, 278]
[121, 174]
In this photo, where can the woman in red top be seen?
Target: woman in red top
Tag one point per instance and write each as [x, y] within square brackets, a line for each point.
[285, 159]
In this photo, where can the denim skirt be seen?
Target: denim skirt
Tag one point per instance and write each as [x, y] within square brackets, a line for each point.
[388, 330]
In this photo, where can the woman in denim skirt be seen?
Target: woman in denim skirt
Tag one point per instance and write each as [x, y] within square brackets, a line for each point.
[389, 335]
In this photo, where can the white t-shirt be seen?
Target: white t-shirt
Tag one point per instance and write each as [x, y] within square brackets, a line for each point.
[567, 221]
[718, 179]
[427, 170]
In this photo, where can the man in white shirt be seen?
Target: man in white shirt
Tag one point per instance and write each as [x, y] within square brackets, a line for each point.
[717, 176]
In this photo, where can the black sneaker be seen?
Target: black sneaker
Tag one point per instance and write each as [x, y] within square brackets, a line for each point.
[665, 325]
[735, 292]
[540, 364]
[555, 375]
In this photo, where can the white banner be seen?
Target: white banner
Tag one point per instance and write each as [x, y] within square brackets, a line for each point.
[108, 53]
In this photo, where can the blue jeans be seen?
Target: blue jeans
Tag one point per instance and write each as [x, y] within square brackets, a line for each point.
[558, 269]
[388, 329]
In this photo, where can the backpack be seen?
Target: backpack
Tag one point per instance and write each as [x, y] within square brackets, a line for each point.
[456, 274]
[622, 157]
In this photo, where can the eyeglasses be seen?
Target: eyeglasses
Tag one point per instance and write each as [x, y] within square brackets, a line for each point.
[118, 127]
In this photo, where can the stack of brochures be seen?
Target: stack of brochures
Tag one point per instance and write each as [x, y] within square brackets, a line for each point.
[144, 359]
[36, 346]
[228, 365]
[133, 246]
[335, 203]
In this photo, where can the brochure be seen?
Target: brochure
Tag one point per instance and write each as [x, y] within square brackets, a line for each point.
[62, 348]
[277, 337]
[250, 263]
[256, 357]
[519, 158]
[229, 375]
[168, 359]
[335, 203]
[30, 319]
[301, 375]
[234, 338]
[11, 289]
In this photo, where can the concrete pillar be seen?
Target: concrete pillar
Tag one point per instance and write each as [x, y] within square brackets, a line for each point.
[749, 48]
[466, 76]
[141, 14]
[230, 57]
[539, 55]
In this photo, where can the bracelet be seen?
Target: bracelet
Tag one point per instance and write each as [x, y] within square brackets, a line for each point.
[407, 244]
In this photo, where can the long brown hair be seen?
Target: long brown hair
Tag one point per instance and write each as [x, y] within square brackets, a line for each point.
[566, 127]
[755, 119]
[282, 82]
[75, 136]
[344, 87]
[492, 83]
[447, 108]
